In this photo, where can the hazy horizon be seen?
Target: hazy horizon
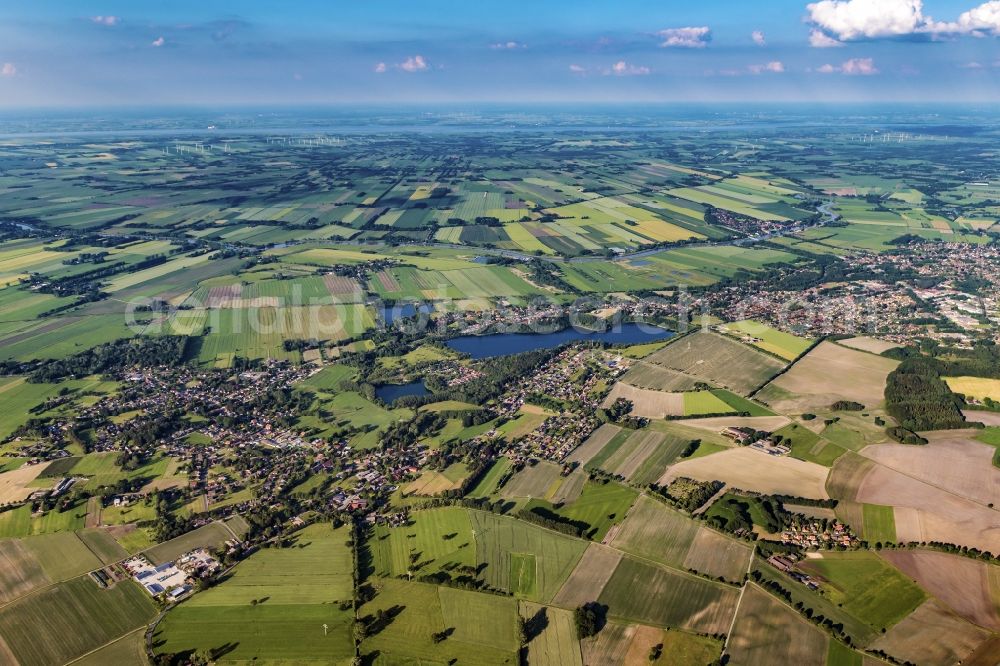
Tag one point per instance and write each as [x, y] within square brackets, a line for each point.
[85, 55]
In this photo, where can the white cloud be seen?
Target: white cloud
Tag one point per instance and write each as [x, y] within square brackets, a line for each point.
[158, 42]
[854, 19]
[859, 67]
[820, 40]
[846, 20]
[852, 67]
[508, 46]
[380, 68]
[8, 69]
[971, 65]
[978, 21]
[775, 66]
[758, 38]
[690, 37]
[577, 69]
[105, 20]
[622, 68]
[415, 63]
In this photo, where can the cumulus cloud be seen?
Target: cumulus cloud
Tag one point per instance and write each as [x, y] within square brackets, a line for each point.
[415, 63]
[971, 65]
[978, 21]
[8, 69]
[577, 69]
[852, 67]
[689, 37]
[622, 68]
[847, 20]
[105, 20]
[775, 66]
[158, 42]
[508, 46]
[859, 67]
[758, 38]
[380, 68]
[820, 40]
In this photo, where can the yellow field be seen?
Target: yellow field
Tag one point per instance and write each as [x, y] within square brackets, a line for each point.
[131, 279]
[975, 387]
[422, 192]
[524, 238]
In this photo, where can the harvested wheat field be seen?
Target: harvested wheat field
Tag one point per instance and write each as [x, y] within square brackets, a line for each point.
[588, 579]
[938, 515]
[987, 654]
[864, 343]
[647, 402]
[952, 461]
[556, 644]
[715, 554]
[959, 582]
[988, 418]
[827, 374]
[648, 375]
[571, 487]
[20, 572]
[633, 452]
[609, 646]
[593, 445]
[629, 645]
[14, 485]
[847, 475]
[533, 481]
[747, 469]
[719, 423]
[932, 636]
[718, 360]
[767, 632]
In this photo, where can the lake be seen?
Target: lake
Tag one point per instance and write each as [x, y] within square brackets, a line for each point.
[505, 344]
[403, 311]
[389, 393]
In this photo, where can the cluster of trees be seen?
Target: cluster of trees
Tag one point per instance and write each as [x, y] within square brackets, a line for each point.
[847, 406]
[88, 281]
[687, 494]
[141, 352]
[919, 399]
[540, 515]
[590, 618]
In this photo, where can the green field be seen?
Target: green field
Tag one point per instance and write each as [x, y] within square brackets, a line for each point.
[488, 484]
[69, 619]
[867, 587]
[600, 506]
[435, 540]
[770, 339]
[210, 536]
[273, 606]
[807, 445]
[481, 628]
[879, 523]
[653, 595]
[700, 403]
[502, 543]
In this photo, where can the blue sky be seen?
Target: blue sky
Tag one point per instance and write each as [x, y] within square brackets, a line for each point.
[138, 52]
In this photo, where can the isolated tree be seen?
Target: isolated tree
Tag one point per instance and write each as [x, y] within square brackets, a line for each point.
[589, 618]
